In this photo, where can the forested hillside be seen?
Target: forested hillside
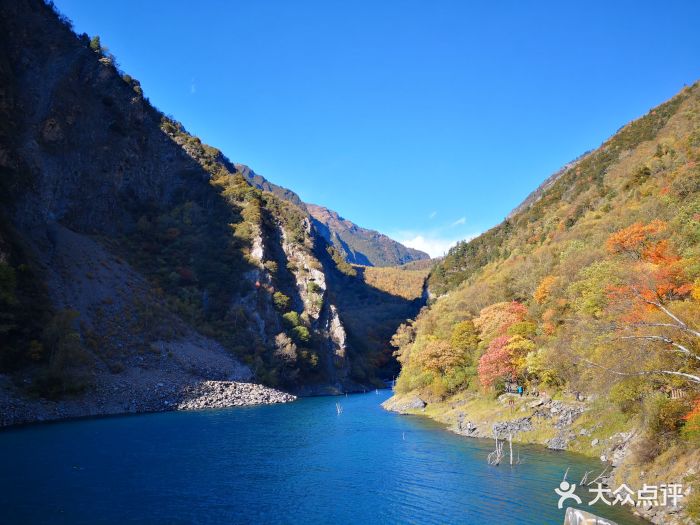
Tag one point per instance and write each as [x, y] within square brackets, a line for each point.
[591, 287]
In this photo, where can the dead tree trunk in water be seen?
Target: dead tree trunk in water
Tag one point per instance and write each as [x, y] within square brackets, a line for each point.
[510, 445]
[495, 457]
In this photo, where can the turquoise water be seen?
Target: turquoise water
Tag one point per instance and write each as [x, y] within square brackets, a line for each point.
[294, 463]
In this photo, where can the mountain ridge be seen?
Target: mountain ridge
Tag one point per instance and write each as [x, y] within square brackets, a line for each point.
[361, 245]
[358, 245]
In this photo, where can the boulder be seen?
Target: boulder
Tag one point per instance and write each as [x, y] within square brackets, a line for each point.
[403, 405]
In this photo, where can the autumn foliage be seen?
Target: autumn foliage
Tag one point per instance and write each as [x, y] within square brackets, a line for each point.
[495, 320]
[657, 272]
[635, 240]
[496, 363]
[577, 289]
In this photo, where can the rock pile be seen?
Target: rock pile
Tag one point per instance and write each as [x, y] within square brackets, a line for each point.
[505, 428]
[222, 394]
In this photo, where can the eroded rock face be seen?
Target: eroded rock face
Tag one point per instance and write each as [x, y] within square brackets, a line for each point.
[308, 274]
[337, 333]
[100, 167]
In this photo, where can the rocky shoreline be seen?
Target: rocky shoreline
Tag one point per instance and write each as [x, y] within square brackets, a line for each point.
[561, 418]
[17, 408]
[559, 415]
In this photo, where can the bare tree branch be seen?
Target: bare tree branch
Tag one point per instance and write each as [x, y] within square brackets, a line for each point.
[691, 377]
[679, 322]
[684, 329]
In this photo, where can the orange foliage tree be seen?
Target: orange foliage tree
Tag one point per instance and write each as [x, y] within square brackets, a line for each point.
[494, 320]
[641, 308]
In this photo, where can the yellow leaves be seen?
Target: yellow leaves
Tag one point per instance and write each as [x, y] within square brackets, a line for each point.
[538, 364]
[544, 289]
[695, 292]
[438, 356]
[396, 280]
[464, 336]
[518, 347]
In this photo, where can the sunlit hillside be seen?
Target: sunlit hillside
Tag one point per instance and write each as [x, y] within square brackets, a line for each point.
[396, 280]
[592, 288]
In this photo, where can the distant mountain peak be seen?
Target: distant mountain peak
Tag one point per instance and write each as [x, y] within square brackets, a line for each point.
[360, 245]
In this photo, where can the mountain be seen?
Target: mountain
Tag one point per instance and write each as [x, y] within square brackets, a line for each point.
[588, 295]
[135, 259]
[359, 245]
[534, 196]
[260, 182]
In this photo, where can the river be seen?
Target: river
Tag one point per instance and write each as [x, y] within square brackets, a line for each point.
[295, 463]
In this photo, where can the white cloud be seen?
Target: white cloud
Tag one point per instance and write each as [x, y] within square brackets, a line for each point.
[432, 215]
[435, 247]
[461, 220]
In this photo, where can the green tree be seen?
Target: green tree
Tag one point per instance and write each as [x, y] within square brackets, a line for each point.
[96, 45]
[67, 358]
[281, 301]
[301, 334]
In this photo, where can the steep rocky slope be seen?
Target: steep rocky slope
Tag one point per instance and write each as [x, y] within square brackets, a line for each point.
[132, 255]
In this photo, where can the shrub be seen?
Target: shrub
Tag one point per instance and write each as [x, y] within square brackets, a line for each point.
[292, 319]
[271, 266]
[664, 419]
[693, 503]
[691, 428]
[96, 45]
[628, 394]
[647, 448]
[301, 334]
[281, 301]
[664, 415]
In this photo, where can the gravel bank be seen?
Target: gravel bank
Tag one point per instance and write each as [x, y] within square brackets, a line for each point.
[132, 395]
[222, 394]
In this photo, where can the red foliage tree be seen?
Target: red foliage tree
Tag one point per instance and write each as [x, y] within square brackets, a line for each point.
[496, 363]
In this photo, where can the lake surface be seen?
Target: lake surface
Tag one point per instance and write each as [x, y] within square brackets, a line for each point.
[295, 463]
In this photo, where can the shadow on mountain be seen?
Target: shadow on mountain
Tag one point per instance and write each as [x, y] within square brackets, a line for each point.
[371, 316]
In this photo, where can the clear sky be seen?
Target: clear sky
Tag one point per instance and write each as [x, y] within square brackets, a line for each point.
[428, 121]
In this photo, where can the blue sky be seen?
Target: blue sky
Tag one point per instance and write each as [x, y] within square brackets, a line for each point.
[428, 121]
